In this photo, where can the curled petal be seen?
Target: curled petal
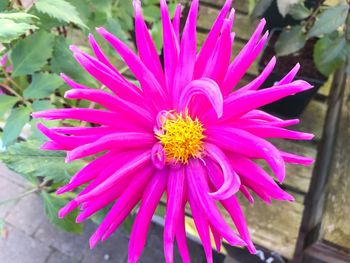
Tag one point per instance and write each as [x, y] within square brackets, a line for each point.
[158, 156]
[232, 206]
[247, 144]
[231, 182]
[197, 184]
[238, 104]
[206, 87]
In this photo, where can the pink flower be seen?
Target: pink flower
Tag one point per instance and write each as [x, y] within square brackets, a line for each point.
[184, 133]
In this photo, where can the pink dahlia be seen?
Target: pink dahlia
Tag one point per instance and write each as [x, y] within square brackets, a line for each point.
[186, 132]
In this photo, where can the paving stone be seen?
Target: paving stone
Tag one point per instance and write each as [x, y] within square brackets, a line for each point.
[8, 190]
[20, 248]
[115, 250]
[28, 214]
[11, 176]
[58, 257]
[72, 245]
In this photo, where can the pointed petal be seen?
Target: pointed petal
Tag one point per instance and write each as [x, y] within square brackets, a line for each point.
[259, 80]
[187, 56]
[176, 21]
[153, 92]
[290, 76]
[210, 42]
[149, 203]
[118, 140]
[296, 159]
[175, 195]
[145, 45]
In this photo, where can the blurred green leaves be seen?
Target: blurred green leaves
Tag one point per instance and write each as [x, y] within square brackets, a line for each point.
[290, 41]
[43, 84]
[61, 10]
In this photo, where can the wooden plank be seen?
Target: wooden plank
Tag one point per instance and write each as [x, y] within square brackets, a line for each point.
[312, 119]
[243, 26]
[336, 227]
[240, 5]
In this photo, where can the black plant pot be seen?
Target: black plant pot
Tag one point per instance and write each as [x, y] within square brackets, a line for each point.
[275, 20]
[291, 106]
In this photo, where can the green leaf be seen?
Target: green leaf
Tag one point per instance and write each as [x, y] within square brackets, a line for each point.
[28, 160]
[290, 41]
[18, 17]
[31, 54]
[157, 35]
[40, 105]
[61, 10]
[329, 21]
[14, 124]
[115, 28]
[285, 5]
[151, 13]
[6, 103]
[329, 54]
[299, 11]
[10, 30]
[52, 205]
[261, 8]
[63, 61]
[43, 84]
[4, 4]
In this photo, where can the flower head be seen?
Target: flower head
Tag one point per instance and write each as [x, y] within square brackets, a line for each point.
[187, 131]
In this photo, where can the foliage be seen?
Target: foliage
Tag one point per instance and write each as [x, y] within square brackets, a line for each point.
[34, 50]
[326, 22]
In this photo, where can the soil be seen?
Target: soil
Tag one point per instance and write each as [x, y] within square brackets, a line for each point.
[307, 70]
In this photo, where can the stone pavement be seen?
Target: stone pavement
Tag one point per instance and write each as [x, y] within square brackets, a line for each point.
[28, 237]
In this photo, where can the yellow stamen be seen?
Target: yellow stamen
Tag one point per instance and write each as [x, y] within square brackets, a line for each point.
[181, 137]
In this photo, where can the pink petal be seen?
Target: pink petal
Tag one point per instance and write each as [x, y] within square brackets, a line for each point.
[187, 56]
[151, 87]
[122, 207]
[175, 195]
[198, 187]
[247, 144]
[176, 21]
[290, 76]
[150, 199]
[259, 80]
[231, 180]
[211, 40]
[145, 45]
[118, 140]
[205, 86]
[170, 45]
[296, 159]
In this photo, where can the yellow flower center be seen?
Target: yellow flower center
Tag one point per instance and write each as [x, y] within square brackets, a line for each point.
[181, 137]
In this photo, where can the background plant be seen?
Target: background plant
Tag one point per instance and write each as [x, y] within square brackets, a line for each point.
[34, 49]
[325, 22]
